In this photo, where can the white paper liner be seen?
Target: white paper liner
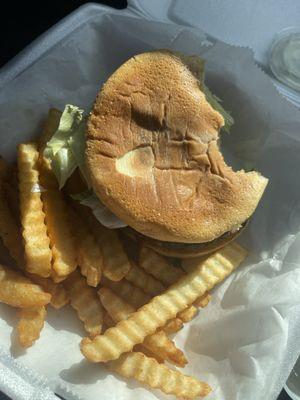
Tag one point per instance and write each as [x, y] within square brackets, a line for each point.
[246, 341]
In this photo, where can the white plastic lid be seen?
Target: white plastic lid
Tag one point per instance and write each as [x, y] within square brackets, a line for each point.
[292, 386]
[285, 57]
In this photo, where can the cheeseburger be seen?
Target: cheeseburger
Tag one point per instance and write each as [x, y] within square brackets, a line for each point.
[153, 158]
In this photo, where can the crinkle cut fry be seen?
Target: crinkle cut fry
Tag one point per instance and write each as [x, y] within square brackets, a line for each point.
[85, 301]
[58, 224]
[188, 314]
[137, 298]
[158, 266]
[138, 277]
[30, 325]
[188, 264]
[59, 296]
[38, 254]
[203, 301]
[109, 322]
[58, 293]
[148, 353]
[57, 218]
[18, 291]
[173, 325]
[158, 342]
[130, 293]
[90, 260]
[162, 270]
[126, 334]
[115, 261]
[152, 286]
[158, 376]
[15, 247]
[57, 278]
[89, 253]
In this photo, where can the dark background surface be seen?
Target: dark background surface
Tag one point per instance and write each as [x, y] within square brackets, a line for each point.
[23, 22]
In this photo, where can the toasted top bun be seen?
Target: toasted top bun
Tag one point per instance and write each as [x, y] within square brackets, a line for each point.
[153, 156]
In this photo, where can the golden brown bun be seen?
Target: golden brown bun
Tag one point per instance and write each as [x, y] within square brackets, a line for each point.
[153, 156]
[182, 250]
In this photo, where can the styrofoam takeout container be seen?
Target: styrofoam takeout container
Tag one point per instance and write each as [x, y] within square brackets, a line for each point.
[33, 81]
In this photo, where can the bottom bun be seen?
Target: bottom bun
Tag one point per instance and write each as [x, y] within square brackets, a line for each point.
[183, 250]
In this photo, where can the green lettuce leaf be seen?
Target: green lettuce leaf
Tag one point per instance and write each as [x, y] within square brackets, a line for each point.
[215, 102]
[66, 149]
[77, 144]
[197, 66]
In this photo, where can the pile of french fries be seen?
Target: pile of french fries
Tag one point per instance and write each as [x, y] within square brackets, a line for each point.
[63, 255]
